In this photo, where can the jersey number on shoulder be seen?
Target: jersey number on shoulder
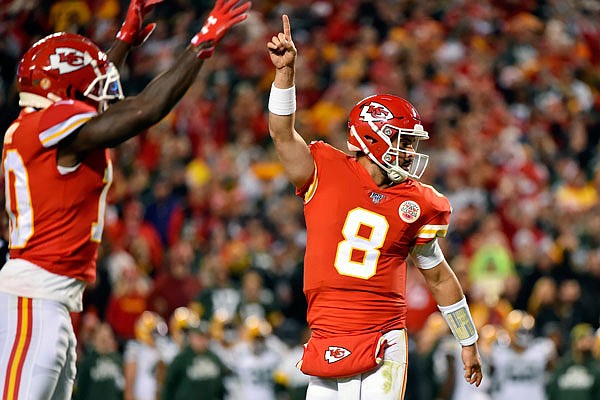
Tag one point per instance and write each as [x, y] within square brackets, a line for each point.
[364, 233]
[16, 186]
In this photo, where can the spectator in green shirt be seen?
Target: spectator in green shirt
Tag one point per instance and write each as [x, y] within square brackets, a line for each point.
[577, 377]
[100, 373]
[196, 372]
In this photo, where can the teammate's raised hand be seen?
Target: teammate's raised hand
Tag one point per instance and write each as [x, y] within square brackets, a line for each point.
[281, 47]
[224, 15]
[131, 31]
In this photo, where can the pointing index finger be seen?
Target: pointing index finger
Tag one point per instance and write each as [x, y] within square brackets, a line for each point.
[287, 31]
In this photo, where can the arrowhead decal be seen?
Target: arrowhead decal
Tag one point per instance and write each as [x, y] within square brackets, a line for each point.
[335, 354]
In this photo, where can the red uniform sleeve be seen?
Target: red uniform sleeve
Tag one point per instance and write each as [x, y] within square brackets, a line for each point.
[438, 216]
[62, 119]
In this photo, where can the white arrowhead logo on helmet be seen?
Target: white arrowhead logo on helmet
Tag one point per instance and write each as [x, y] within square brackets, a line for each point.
[375, 112]
[66, 59]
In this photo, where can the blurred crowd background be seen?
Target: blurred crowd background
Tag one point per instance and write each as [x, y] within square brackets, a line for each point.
[201, 216]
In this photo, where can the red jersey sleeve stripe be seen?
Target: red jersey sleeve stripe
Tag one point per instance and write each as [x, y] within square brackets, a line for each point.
[58, 132]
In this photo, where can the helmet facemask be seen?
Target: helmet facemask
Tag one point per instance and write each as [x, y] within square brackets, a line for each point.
[105, 87]
[401, 162]
[397, 161]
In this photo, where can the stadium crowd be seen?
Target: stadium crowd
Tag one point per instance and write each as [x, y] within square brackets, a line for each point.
[201, 216]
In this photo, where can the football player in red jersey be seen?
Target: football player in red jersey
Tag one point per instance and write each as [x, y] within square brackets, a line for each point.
[364, 216]
[57, 173]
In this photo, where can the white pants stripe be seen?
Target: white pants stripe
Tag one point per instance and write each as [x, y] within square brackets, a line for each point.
[37, 349]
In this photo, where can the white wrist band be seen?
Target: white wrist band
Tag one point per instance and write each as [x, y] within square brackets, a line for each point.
[458, 317]
[282, 101]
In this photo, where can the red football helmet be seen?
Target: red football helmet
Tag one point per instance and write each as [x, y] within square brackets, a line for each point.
[388, 129]
[67, 66]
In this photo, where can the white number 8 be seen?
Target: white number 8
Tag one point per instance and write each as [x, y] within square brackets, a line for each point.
[369, 246]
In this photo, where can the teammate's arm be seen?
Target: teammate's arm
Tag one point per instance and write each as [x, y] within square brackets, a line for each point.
[446, 290]
[128, 117]
[133, 114]
[291, 148]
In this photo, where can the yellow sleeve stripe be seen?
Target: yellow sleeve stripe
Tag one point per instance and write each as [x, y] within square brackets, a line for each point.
[431, 231]
[55, 134]
[310, 192]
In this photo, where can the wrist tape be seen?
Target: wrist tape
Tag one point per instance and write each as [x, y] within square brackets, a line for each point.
[458, 317]
[282, 101]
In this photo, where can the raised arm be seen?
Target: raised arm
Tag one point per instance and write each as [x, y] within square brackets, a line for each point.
[131, 115]
[291, 148]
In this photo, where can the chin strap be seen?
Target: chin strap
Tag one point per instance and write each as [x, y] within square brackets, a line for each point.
[396, 174]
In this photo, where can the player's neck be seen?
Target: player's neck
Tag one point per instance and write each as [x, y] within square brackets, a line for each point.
[377, 174]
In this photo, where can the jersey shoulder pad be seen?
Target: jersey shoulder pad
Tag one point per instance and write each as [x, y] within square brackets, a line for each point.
[436, 200]
[322, 150]
[63, 118]
[436, 213]
[327, 159]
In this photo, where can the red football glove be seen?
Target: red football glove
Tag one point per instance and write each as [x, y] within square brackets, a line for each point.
[131, 31]
[223, 16]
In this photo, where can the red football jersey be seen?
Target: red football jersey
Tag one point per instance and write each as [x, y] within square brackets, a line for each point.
[56, 220]
[359, 237]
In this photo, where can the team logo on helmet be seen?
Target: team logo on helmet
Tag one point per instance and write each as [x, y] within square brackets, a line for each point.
[66, 59]
[409, 211]
[335, 354]
[374, 111]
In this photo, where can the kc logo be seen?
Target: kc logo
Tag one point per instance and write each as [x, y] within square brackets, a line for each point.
[66, 59]
[375, 112]
[335, 354]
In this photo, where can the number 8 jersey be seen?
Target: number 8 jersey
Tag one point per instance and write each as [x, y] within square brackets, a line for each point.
[359, 236]
[56, 214]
